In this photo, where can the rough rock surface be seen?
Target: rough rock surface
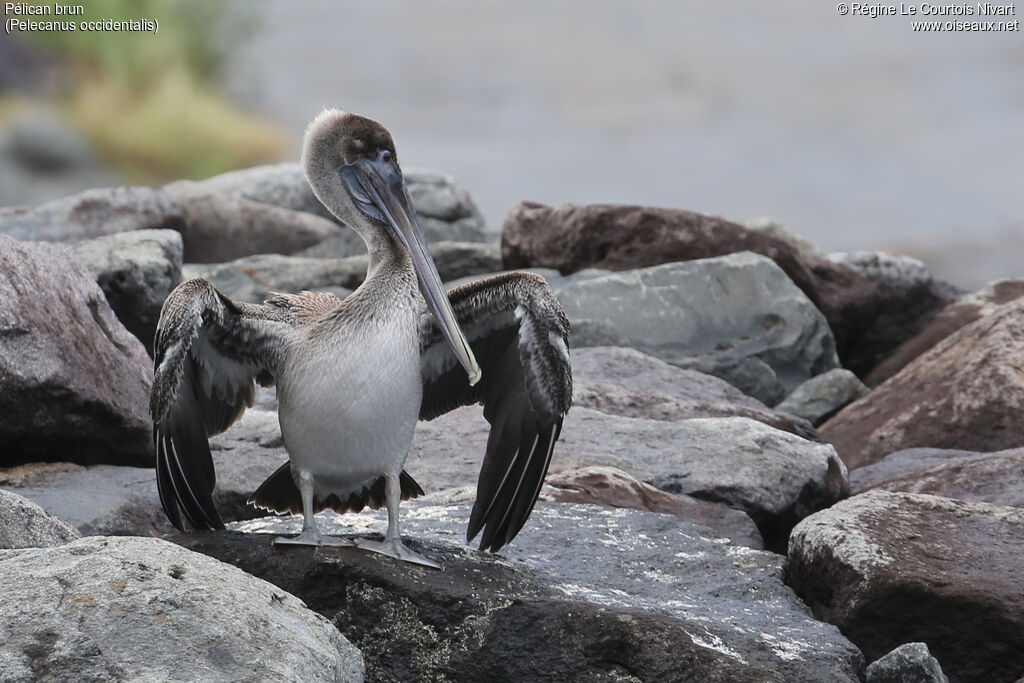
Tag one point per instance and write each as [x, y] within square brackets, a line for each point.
[136, 271]
[84, 608]
[964, 311]
[753, 328]
[101, 500]
[621, 381]
[890, 568]
[911, 298]
[590, 593]
[822, 395]
[253, 278]
[74, 384]
[965, 392]
[23, 524]
[570, 238]
[612, 487]
[94, 213]
[775, 477]
[909, 663]
[220, 227]
[996, 478]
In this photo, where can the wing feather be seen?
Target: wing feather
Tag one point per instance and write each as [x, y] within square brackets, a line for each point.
[519, 334]
[209, 352]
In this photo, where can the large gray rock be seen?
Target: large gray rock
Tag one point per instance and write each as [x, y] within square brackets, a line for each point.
[253, 278]
[23, 524]
[445, 209]
[890, 568]
[621, 381]
[752, 326]
[981, 477]
[589, 593]
[775, 477]
[81, 612]
[74, 384]
[220, 227]
[909, 663]
[821, 396]
[136, 271]
[101, 500]
[94, 213]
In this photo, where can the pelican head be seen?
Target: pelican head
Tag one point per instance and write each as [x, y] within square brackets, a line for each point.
[351, 164]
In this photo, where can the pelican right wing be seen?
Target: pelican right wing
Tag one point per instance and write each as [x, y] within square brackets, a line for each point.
[209, 351]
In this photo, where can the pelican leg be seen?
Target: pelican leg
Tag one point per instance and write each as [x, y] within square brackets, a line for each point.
[310, 534]
[392, 545]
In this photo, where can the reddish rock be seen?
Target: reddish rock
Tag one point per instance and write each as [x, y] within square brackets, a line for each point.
[612, 487]
[892, 568]
[966, 392]
[74, 383]
[962, 312]
[570, 238]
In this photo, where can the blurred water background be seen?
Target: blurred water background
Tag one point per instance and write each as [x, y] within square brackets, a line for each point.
[855, 133]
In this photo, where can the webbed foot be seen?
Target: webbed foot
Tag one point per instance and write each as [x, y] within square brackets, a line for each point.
[312, 537]
[396, 549]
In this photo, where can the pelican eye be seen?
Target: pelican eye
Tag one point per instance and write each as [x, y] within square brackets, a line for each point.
[385, 156]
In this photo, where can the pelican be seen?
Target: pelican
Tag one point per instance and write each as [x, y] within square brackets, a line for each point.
[353, 376]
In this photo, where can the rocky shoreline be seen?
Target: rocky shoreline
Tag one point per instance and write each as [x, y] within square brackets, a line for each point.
[780, 465]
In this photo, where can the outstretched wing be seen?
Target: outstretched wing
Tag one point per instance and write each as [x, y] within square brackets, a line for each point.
[519, 334]
[209, 351]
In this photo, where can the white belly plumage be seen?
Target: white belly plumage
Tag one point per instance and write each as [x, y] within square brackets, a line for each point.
[348, 416]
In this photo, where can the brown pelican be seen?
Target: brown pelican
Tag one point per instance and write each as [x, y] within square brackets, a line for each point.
[354, 376]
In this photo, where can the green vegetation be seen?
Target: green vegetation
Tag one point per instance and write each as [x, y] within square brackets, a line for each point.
[150, 103]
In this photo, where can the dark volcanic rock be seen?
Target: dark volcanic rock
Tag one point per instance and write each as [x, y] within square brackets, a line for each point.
[753, 328]
[83, 611]
[965, 392]
[996, 478]
[910, 300]
[584, 593]
[614, 488]
[621, 381]
[136, 271]
[94, 213]
[571, 238]
[822, 395]
[910, 663]
[74, 384]
[24, 524]
[891, 568]
[963, 312]
[221, 227]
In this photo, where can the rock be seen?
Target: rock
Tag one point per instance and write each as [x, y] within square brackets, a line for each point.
[965, 392]
[891, 568]
[244, 457]
[590, 593]
[822, 395]
[911, 298]
[221, 227]
[996, 478]
[963, 312]
[775, 477]
[445, 209]
[773, 227]
[81, 611]
[41, 140]
[101, 500]
[570, 238]
[614, 488]
[454, 260]
[74, 384]
[909, 663]
[94, 213]
[136, 271]
[253, 278]
[23, 524]
[621, 381]
[754, 328]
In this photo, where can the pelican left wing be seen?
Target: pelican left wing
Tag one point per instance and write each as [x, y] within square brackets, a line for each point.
[208, 352]
[519, 334]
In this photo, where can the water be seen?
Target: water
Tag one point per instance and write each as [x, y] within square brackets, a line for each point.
[855, 132]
